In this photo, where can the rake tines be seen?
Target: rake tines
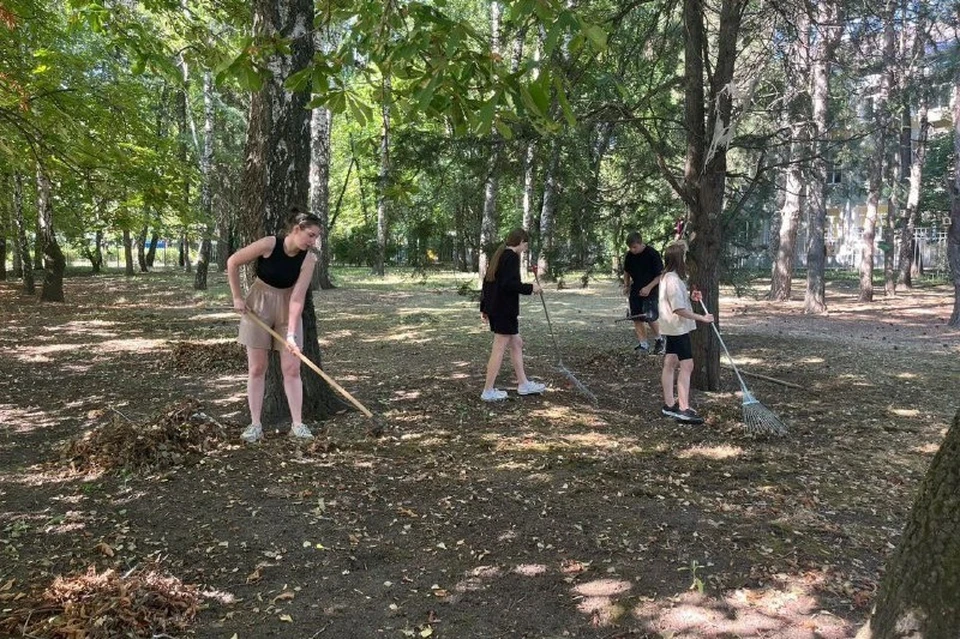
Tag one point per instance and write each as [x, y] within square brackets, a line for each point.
[758, 419]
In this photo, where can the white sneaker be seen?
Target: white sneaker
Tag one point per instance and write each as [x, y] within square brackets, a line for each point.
[252, 433]
[493, 395]
[531, 388]
[300, 431]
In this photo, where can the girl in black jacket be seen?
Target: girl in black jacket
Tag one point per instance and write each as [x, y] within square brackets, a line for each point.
[500, 305]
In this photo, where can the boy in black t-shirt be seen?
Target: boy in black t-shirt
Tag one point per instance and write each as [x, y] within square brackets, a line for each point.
[642, 267]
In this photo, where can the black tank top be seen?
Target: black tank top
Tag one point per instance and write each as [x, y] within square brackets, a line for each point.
[280, 270]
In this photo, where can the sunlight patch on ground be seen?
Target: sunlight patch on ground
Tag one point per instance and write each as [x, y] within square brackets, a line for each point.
[403, 395]
[135, 345]
[904, 412]
[722, 451]
[598, 600]
[907, 376]
[927, 449]
[41, 354]
[329, 336]
[810, 360]
[786, 611]
[539, 443]
[19, 420]
[530, 570]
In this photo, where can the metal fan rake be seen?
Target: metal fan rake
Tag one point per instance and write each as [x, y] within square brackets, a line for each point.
[758, 419]
[556, 347]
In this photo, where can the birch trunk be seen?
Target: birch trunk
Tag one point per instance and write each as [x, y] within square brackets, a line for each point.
[276, 178]
[206, 188]
[321, 126]
[54, 263]
[548, 213]
[20, 227]
[383, 182]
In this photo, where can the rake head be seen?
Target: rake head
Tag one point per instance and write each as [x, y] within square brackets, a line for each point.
[576, 383]
[759, 419]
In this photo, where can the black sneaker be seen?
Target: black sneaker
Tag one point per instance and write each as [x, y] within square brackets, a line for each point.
[670, 411]
[659, 346]
[688, 416]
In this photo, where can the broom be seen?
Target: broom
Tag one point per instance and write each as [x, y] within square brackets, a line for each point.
[556, 347]
[758, 419]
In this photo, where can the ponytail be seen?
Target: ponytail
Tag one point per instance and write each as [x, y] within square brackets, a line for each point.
[514, 238]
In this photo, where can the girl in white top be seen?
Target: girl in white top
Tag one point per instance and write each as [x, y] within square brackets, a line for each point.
[677, 320]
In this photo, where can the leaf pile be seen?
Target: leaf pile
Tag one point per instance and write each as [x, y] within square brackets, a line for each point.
[179, 434]
[106, 605]
[208, 357]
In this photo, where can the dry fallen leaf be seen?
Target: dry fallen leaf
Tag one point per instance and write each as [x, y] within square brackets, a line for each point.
[105, 549]
[284, 596]
[286, 618]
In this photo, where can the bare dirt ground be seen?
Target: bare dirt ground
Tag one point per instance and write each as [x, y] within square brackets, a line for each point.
[538, 517]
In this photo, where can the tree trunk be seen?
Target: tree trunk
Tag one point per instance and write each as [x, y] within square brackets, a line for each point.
[142, 250]
[276, 177]
[383, 182]
[491, 183]
[95, 255]
[529, 178]
[206, 188]
[953, 233]
[821, 56]
[38, 244]
[781, 282]
[20, 226]
[185, 262]
[54, 263]
[548, 214]
[919, 597]
[4, 228]
[152, 251]
[321, 127]
[709, 128]
[911, 212]
[127, 253]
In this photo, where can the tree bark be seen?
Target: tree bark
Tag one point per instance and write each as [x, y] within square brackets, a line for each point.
[54, 263]
[152, 251]
[383, 182]
[206, 188]
[911, 212]
[491, 183]
[142, 250]
[529, 179]
[919, 597]
[276, 177]
[321, 127]
[95, 255]
[548, 213]
[4, 227]
[127, 253]
[828, 36]
[20, 227]
[953, 233]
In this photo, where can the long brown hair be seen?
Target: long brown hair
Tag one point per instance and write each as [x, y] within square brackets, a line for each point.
[514, 238]
[675, 259]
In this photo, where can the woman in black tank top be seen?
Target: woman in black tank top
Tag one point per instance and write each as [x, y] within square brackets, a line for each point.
[284, 266]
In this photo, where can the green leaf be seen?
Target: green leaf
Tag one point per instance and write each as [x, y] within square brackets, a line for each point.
[564, 104]
[596, 36]
[504, 129]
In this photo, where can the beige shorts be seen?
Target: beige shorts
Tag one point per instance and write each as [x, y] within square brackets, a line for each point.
[272, 305]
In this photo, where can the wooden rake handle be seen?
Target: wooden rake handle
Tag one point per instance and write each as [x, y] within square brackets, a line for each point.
[303, 358]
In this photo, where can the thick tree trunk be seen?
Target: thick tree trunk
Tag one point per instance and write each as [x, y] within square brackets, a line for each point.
[321, 127]
[206, 188]
[548, 214]
[127, 253]
[953, 234]
[781, 282]
[919, 597]
[20, 227]
[821, 56]
[54, 263]
[383, 182]
[276, 178]
[708, 126]
[4, 227]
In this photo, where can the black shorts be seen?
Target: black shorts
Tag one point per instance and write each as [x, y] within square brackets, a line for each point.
[644, 306]
[504, 325]
[680, 346]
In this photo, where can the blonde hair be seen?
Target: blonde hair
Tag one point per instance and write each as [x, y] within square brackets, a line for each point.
[516, 237]
[675, 259]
